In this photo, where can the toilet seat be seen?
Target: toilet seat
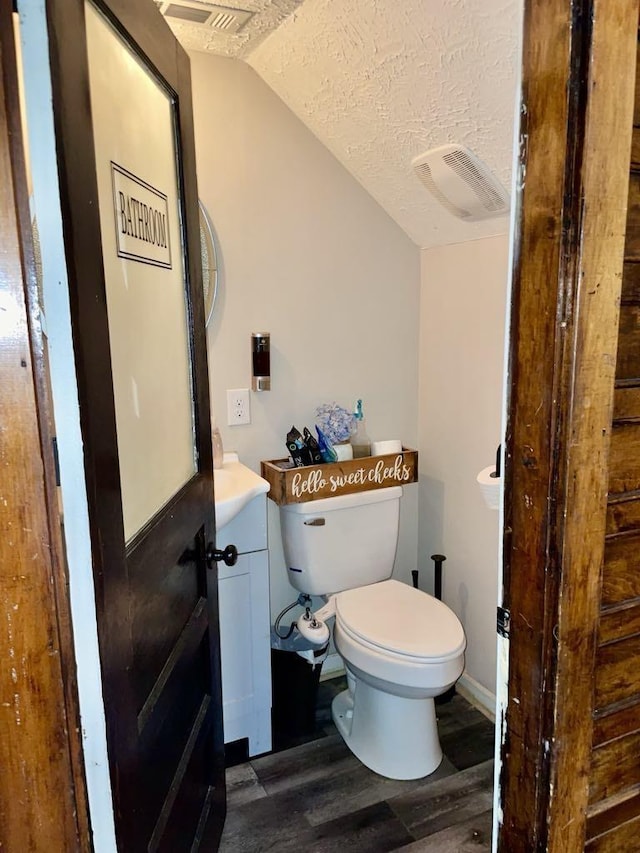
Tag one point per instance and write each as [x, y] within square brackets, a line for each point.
[390, 618]
[380, 633]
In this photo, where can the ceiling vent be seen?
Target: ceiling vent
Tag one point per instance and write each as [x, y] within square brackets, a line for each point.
[461, 183]
[209, 15]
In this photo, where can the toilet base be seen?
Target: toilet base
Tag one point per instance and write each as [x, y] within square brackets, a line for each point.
[393, 736]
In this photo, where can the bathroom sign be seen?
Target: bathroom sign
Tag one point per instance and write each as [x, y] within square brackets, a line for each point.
[299, 485]
[142, 219]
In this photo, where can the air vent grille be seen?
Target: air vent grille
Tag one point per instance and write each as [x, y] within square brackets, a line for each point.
[224, 20]
[187, 13]
[423, 170]
[461, 183]
[207, 14]
[491, 198]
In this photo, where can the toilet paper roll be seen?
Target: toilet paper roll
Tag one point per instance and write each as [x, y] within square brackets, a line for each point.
[382, 448]
[344, 451]
[490, 486]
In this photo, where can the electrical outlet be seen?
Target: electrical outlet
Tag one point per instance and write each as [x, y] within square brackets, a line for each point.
[238, 406]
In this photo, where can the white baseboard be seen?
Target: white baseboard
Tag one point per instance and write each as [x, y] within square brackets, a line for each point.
[332, 667]
[477, 695]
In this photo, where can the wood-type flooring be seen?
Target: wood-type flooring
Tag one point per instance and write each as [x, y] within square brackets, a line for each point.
[317, 797]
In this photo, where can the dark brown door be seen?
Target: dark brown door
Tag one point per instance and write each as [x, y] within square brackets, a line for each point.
[122, 101]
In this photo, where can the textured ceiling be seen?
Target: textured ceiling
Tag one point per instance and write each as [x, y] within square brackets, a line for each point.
[381, 81]
[268, 14]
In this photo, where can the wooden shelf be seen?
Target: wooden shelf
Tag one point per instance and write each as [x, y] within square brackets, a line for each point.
[290, 485]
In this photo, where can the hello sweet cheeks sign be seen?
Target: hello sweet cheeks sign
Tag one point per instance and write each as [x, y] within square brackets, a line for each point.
[299, 485]
[316, 481]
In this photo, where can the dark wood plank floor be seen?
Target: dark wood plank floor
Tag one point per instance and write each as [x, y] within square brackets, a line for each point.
[318, 797]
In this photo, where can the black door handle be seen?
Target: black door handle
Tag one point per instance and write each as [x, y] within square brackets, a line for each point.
[229, 556]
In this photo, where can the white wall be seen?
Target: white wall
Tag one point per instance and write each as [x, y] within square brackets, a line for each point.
[309, 257]
[461, 361]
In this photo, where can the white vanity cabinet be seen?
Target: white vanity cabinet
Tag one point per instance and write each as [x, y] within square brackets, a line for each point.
[245, 643]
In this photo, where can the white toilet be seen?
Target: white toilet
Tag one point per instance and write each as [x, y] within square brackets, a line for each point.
[401, 646]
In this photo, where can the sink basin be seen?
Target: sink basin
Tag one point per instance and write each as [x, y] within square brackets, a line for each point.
[234, 486]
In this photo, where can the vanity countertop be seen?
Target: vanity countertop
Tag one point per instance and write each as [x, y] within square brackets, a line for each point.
[234, 486]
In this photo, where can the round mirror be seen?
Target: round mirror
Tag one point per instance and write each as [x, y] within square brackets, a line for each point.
[209, 256]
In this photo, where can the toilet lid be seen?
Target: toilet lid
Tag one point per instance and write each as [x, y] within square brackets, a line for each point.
[401, 619]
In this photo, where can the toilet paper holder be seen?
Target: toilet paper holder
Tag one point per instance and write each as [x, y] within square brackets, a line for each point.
[498, 472]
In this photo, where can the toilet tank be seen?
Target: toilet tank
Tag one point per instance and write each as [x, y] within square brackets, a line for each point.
[341, 543]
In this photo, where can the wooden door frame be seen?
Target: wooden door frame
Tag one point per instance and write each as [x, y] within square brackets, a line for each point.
[579, 59]
[43, 800]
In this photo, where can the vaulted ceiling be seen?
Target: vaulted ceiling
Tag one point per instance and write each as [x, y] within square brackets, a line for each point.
[381, 81]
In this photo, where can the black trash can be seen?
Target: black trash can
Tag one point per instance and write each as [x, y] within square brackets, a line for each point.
[295, 674]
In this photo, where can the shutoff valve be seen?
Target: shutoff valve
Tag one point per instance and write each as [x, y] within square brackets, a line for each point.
[312, 625]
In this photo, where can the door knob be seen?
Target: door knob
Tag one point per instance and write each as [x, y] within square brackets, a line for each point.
[229, 556]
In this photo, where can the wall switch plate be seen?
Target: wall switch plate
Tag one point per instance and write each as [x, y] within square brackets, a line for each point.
[238, 406]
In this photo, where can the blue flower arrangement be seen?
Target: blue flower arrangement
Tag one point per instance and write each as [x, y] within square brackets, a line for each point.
[335, 422]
